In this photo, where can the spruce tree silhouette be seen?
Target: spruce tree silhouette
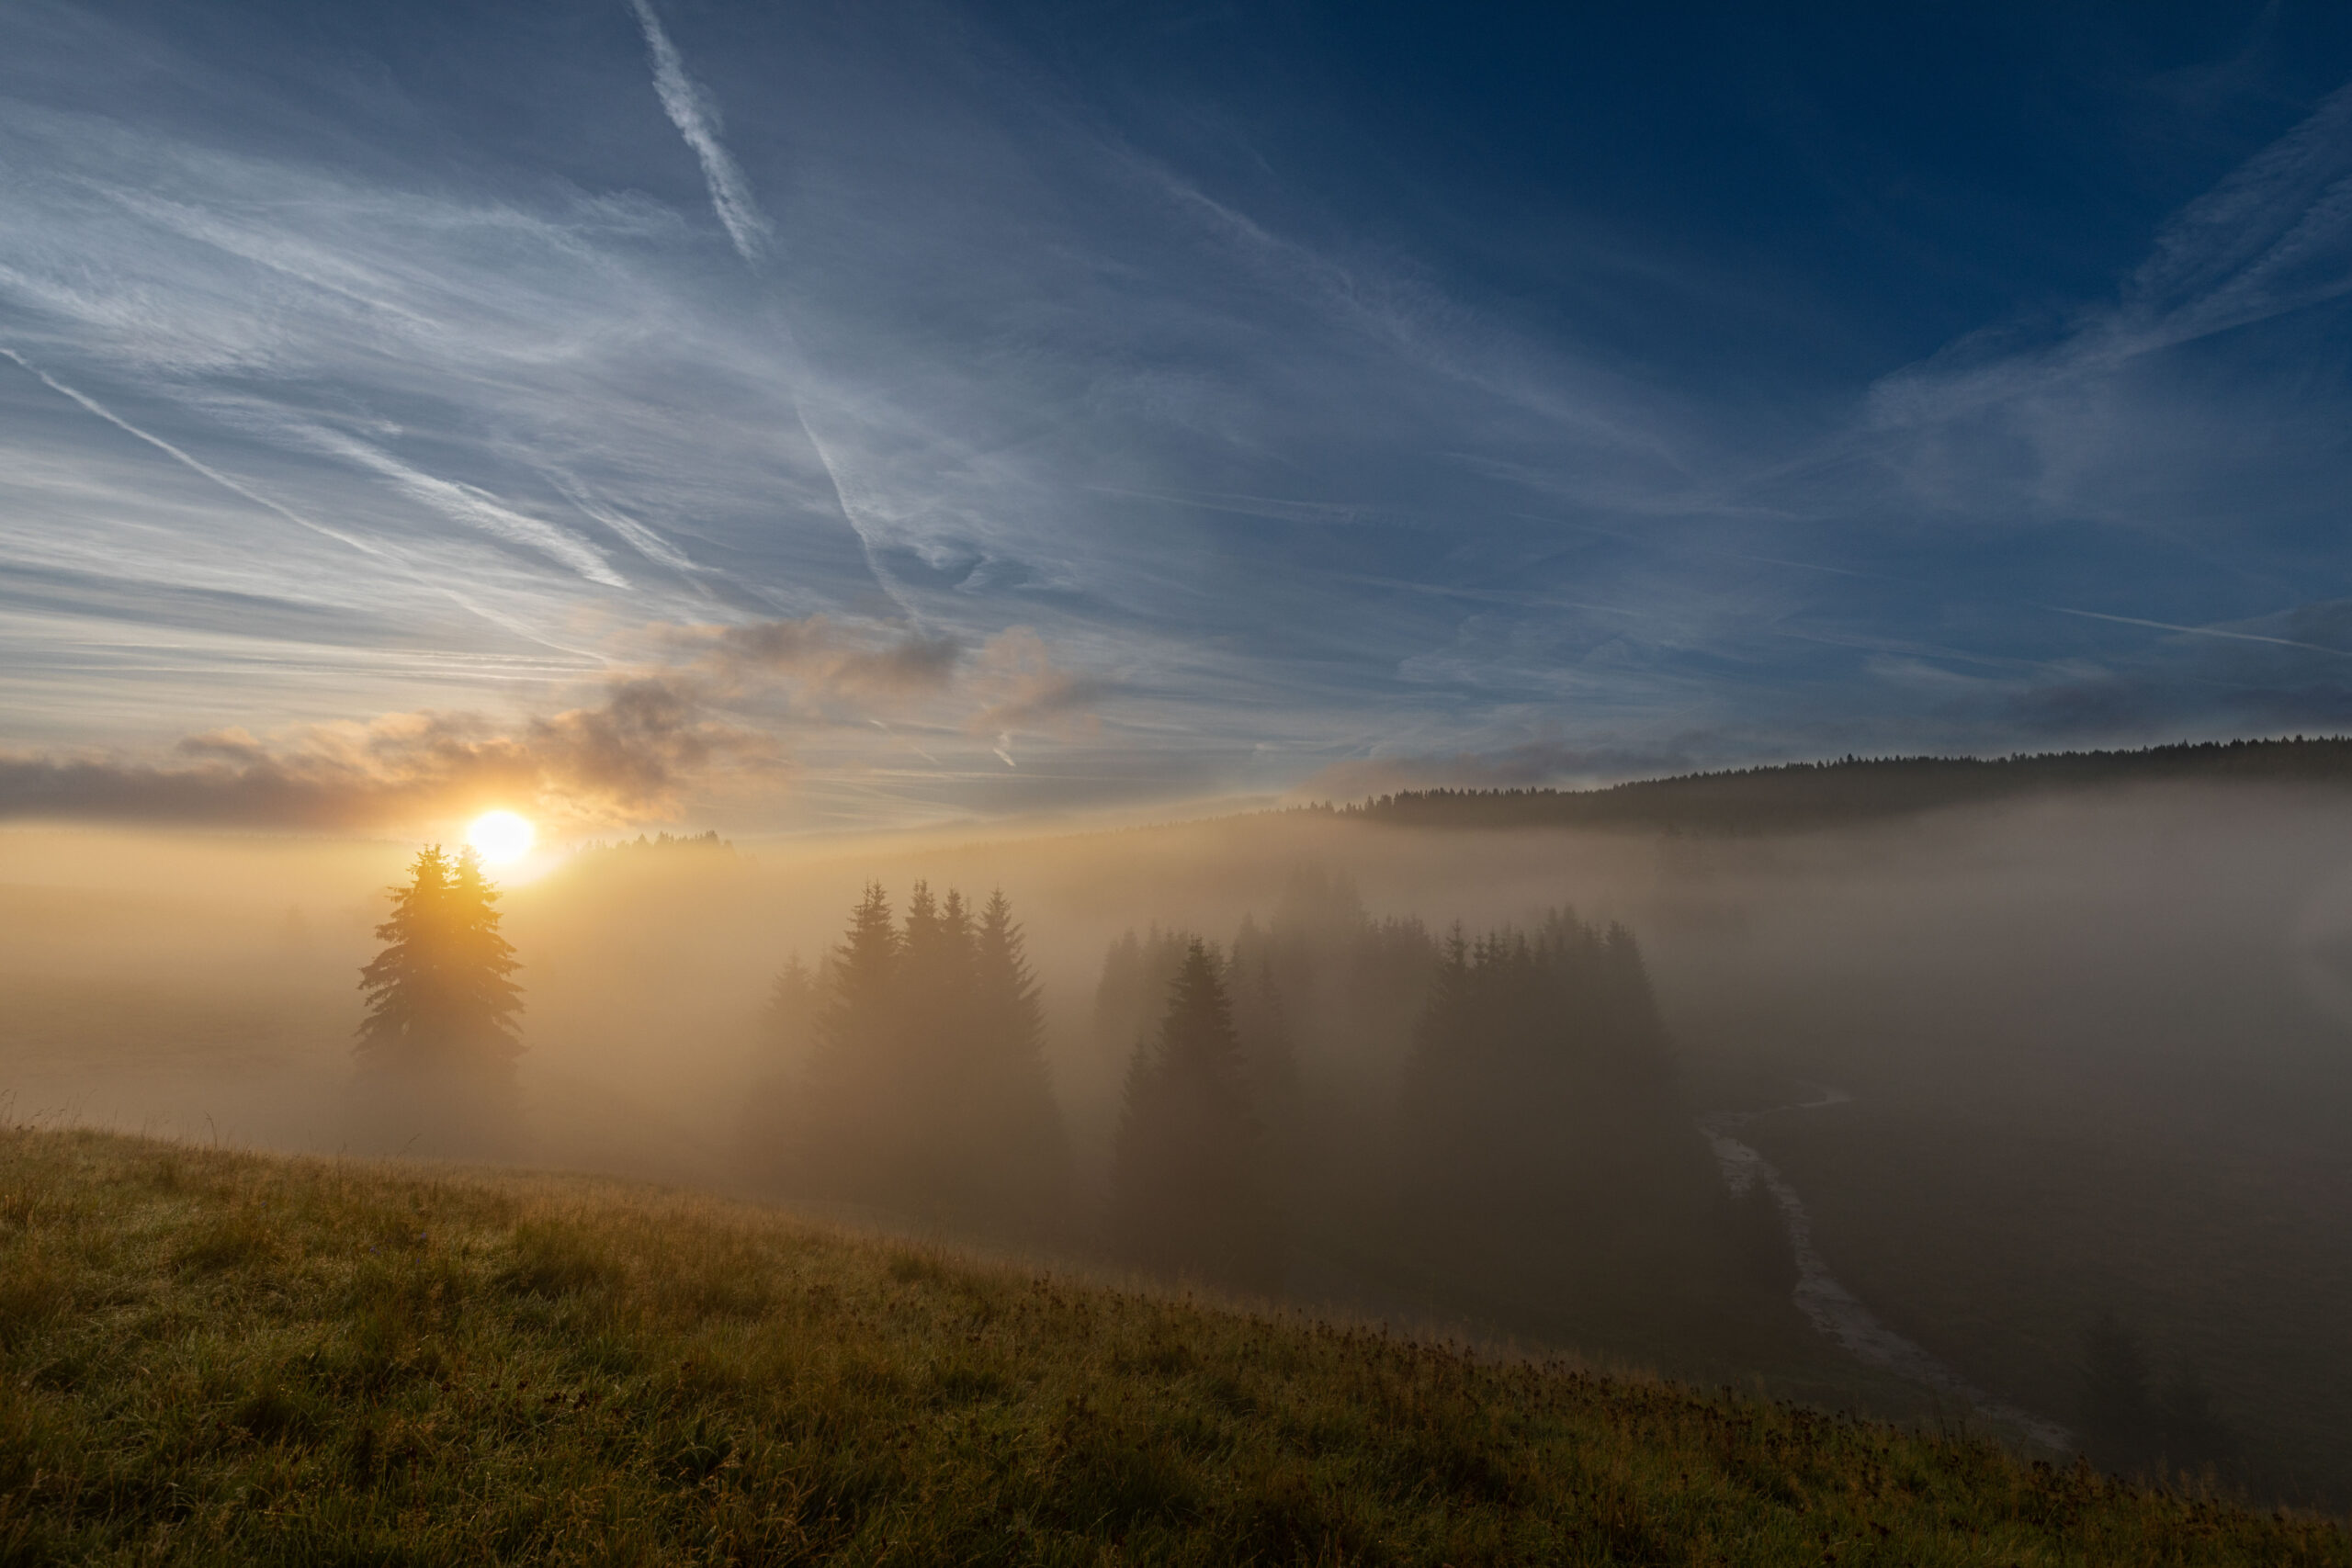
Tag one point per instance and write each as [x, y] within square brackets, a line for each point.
[924, 1089]
[441, 993]
[1025, 1168]
[847, 1135]
[1189, 1193]
[440, 1041]
[787, 1033]
[1540, 1073]
[934, 1074]
[789, 1022]
[1268, 1055]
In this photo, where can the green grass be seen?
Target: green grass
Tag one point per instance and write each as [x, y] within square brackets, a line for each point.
[217, 1357]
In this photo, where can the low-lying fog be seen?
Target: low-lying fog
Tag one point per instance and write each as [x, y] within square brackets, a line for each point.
[2096, 1055]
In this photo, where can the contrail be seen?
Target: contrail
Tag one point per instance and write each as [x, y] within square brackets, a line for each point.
[92, 405]
[697, 116]
[2200, 631]
[904, 741]
[647, 543]
[849, 514]
[467, 504]
[693, 111]
[215, 475]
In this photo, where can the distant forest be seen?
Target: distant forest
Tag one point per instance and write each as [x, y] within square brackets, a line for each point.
[1800, 796]
[1478, 1118]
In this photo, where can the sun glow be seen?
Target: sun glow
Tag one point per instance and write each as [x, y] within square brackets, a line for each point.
[500, 837]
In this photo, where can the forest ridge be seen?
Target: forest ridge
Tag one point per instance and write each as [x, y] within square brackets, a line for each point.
[1799, 796]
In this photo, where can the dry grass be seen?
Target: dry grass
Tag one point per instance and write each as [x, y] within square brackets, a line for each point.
[215, 1356]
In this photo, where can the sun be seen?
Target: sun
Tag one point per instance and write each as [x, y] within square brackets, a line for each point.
[500, 837]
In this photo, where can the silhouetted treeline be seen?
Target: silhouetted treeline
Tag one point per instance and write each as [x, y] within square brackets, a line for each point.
[1538, 1066]
[1495, 1117]
[1321, 991]
[917, 1077]
[661, 843]
[1546, 1150]
[1492, 1120]
[1855, 789]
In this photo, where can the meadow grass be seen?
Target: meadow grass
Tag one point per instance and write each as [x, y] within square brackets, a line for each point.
[208, 1356]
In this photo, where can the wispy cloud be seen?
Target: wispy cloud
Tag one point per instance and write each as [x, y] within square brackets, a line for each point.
[1079, 444]
[465, 503]
[2222, 632]
[644, 541]
[696, 116]
[2273, 237]
[383, 557]
[92, 405]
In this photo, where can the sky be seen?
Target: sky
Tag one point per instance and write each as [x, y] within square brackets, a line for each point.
[822, 416]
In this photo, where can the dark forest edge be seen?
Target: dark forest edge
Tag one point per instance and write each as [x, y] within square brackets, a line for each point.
[1797, 796]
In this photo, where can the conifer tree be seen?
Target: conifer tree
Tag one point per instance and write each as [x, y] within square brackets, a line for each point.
[787, 1042]
[1189, 1193]
[1270, 1056]
[845, 1139]
[1114, 991]
[1026, 1171]
[932, 1076]
[1133, 986]
[1006, 993]
[927, 1088]
[934, 980]
[1352, 985]
[788, 1022]
[441, 995]
[855, 1021]
[1540, 1074]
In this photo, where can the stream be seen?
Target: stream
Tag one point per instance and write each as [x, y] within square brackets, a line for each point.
[1833, 1309]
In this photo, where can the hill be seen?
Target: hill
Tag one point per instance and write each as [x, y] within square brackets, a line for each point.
[218, 1357]
[1801, 795]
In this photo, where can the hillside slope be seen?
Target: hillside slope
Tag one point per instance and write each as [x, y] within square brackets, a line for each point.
[215, 1356]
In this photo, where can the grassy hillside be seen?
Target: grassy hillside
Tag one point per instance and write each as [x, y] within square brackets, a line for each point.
[214, 1356]
[1800, 796]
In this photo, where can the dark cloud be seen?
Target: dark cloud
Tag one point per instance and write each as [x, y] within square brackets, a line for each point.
[825, 664]
[654, 740]
[632, 756]
[1021, 688]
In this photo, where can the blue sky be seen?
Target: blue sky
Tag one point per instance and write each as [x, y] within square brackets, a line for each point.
[799, 415]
